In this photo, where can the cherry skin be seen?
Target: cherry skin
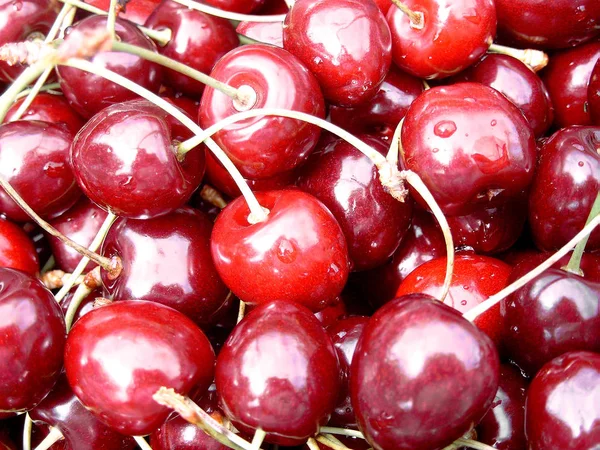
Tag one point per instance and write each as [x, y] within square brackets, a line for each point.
[16, 249]
[278, 371]
[119, 153]
[347, 182]
[33, 339]
[345, 43]
[268, 71]
[567, 77]
[36, 234]
[421, 375]
[470, 145]
[86, 305]
[88, 93]
[34, 159]
[267, 33]
[383, 5]
[136, 12]
[450, 36]
[297, 254]
[152, 346]
[166, 260]
[561, 410]
[590, 262]
[238, 6]
[333, 312]
[594, 94]
[566, 183]
[198, 41]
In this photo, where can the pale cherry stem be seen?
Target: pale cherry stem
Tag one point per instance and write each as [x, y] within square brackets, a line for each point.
[329, 443]
[426, 85]
[212, 11]
[574, 265]
[142, 443]
[257, 212]
[212, 196]
[415, 17]
[470, 443]
[111, 20]
[53, 436]
[241, 311]
[27, 432]
[312, 444]
[257, 440]
[54, 279]
[52, 88]
[535, 59]
[82, 291]
[332, 438]
[27, 77]
[342, 432]
[472, 314]
[395, 145]
[49, 264]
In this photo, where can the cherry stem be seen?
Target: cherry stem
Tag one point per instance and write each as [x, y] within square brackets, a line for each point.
[241, 311]
[574, 265]
[257, 440]
[27, 426]
[395, 145]
[53, 436]
[535, 59]
[212, 196]
[212, 11]
[329, 443]
[470, 443]
[142, 443]
[49, 265]
[312, 444]
[415, 17]
[54, 279]
[472, 314]
[342, 432]
[82, 291]
[27, 77]
[51, 88]
[111, 20]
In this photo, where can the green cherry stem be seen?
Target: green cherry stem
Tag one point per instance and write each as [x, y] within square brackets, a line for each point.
[470, 443]
[574, 265]
[52, 88]
[111, 20]
[212, 11]
[27, 77]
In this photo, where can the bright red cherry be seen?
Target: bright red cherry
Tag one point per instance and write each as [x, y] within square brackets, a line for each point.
[278, 371]
[297, 254]
[136, 12]
[345, 43]
[421, 375]
[471, 146]
[33, 339]
[239, 6]
[594, 94]
[118, 356]
[16, 249]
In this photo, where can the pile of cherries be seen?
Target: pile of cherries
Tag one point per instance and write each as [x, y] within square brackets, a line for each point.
[263, 194]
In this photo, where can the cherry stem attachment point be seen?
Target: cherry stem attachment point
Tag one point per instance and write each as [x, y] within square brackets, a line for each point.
[142, 443]
[211, 195]
[82, 291]
[535, 59]
[212, 11]
[574, 264]
[416, 17]
[54, 279]
[53, 436]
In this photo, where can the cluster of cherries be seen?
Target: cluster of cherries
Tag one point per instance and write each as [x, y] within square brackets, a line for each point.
[247, 212]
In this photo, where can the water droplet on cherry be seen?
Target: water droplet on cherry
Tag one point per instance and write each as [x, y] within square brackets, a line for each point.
[445, 128]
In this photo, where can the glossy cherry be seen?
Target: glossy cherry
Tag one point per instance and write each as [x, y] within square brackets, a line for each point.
[136, 12]
[33, 339]
[121, 151]
[266, 32]
[36, 234]
[590, 262]
[150, 346]
[239, 6]
[566, 183]
[421, 375]
[471, 146]
[89, 93]
[34, 159]
[16, 249]
[346, 44]
[268, 71]
[297, 254]
[278, 371]
[86, 305]
[561, 410]
[594, 94]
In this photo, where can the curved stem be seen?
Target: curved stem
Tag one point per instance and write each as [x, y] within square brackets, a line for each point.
[111, 20]
[415, 17]
[470, 443]
[27, 77]
[574, 265]
[142, 443]
[342, 432]
[79, 295]
[27, 425]
[212, 11]
[535, 59]
[53, 88]
[53, 436]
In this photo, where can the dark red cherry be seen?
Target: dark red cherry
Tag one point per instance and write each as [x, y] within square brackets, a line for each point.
[6, 443]
[49, 108]
[270, 7]
[333, 312]
[33, 339]
[565, 186]
[474, 279]
[594, 94]
[278, 371]
[37, 236]
[88, 93]
[503, 427]
[34, 159]
[297, 254]
[345, 43]
[119, 155]
[238, 6]
[137, 11]
[471, 146]
[118, 356]
[198, 40]
[265, 32]
[519, 84]
[561, 410]
[166, 260]
[421, 375]
[39, 432]
[590, 262]
[567, 77]
[279, 80]
[80, 428]
[449, 37]
[382, 114]
[555, 313]
[86, 305]
[16, 249]
[549, 25]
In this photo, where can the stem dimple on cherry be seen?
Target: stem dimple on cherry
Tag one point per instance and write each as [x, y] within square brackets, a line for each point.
[417, 20]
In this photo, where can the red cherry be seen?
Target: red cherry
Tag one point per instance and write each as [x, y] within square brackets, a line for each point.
[346, 44]
[383, 5]
[238, 6]
[16, 249]
[86, 305]
[278, 371]
[297, 254]
[265, 32]
[449, 36]
[594, 94]
[333, 312]
[590, 263]
[33, 339]
[470, 145]
[118, 356]
[137, 11]
[270, 7]
[421, 375]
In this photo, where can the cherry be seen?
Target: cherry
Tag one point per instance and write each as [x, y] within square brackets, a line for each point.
[278, 371]
[89, 93]
[567, 77]
[80, 428]
[297, 254]
[238, 6]
[566, 183]
[590, 263]
[49, 108]
[33, 338]
[421, 375]
[347, 182]
[265, 32]
[150, 346]
[36, 234]
[16, 249]
[198, 40]
[34, 159]
[446, 37]
[119, 152]
[383, 5]
[136, 12]
[86, 305]
[556, 24]
[166, 260]
[594, 94]
[6, 442]
[270, 7]
[333, 312]
[266, 71]
[470, 145]
[561, 409]
[345, 43]
[519, 84]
